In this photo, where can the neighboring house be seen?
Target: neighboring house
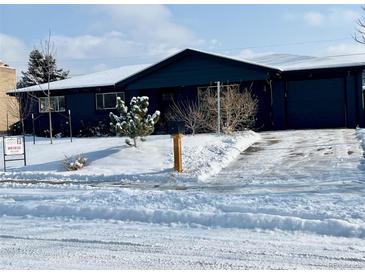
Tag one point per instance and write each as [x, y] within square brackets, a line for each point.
[8, 106]
[293, 91]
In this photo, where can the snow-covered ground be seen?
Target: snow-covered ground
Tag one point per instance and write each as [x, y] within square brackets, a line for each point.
[111, 160]
[56, 243]
[295, 199]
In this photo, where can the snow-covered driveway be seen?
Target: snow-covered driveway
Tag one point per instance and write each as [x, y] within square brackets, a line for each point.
[299, 160]
[294, 200]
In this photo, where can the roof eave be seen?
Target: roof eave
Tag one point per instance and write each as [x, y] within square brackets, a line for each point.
[324, 67]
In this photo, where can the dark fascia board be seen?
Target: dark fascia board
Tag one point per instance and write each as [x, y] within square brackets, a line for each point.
[187, 52]
[323, 70]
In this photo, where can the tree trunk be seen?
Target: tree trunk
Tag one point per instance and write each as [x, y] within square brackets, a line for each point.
[50, 113]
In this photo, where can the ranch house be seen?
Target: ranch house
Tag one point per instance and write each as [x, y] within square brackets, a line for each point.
[293, 92]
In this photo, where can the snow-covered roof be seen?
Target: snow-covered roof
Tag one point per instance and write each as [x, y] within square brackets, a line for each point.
[280, 62]
[248, 61]
[4, 65]
[290, 62]
[97, 79]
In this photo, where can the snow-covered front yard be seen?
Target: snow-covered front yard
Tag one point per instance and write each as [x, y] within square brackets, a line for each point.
[111, 160]
[294, 199]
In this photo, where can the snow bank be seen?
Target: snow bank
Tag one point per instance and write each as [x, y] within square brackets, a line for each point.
[331, 227]
[321, 214]
[207, 157]
[360, 134]
[110, 160]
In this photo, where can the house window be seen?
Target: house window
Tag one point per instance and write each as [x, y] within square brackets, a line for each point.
[57, 104]
[203, 91]
[108, 100]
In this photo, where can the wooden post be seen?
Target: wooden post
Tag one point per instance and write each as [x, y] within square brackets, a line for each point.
[177, 152]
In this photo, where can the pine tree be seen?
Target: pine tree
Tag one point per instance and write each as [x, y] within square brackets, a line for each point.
[35, 70]
[39, 65]
[134, 123]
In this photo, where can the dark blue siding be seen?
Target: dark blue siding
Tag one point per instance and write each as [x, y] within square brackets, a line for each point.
[198, 70]
[83, 112]
[278, 104]
[351, 101]
[358, 89]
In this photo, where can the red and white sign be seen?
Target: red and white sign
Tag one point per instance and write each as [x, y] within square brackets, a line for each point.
[13, 145]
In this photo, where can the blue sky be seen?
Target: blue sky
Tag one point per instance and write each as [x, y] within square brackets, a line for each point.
[96, 37]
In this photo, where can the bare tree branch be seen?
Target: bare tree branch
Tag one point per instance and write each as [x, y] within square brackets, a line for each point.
[359, 35]
[191, 113]
[238, 109]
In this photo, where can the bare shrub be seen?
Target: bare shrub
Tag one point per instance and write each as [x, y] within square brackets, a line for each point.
[191, 113]
[74, 163]
[238, 109]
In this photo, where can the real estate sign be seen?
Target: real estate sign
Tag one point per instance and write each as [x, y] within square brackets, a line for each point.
[13, 145]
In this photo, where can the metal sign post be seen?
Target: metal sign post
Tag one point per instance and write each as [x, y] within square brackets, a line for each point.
[14, 146]
[69, 122]
[219, 107]
[33, 128]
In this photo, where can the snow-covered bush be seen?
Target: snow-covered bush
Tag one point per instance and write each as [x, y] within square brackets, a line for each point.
[134, 123]
[74, 163]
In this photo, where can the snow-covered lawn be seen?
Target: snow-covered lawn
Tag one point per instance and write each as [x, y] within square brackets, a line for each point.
[295, 199]
[111, 160]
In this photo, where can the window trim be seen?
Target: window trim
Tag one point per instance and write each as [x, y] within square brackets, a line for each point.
[58, 104]
[104, 93]
[204, 88]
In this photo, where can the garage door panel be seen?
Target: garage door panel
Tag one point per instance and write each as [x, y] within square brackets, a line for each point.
[316, 103]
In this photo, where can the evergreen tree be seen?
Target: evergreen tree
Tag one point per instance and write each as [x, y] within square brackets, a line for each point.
[134, 123]
[39, 66]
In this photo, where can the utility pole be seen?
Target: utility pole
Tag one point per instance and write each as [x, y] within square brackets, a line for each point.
[219, 107]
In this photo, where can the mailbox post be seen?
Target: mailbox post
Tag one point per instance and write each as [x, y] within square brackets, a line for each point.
[177, 152]
[177, 129]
